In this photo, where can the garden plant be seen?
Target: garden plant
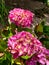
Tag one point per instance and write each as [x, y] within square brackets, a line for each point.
[19, 44]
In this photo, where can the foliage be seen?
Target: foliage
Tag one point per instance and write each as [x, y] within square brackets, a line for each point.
[42, 31]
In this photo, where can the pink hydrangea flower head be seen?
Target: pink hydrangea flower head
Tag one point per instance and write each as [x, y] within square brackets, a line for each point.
[21, 17]
[42, 57]
[22, 44]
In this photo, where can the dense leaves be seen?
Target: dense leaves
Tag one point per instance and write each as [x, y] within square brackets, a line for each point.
[6, 59]
[45, 42]
[42, 31]
[46, 30]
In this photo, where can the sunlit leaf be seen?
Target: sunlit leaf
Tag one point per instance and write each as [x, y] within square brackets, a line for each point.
[39, 30]
[48, 2]
[25, 57]
[19, 61]
[1, 54]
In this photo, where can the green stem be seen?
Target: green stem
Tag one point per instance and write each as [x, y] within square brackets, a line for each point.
[12, 61]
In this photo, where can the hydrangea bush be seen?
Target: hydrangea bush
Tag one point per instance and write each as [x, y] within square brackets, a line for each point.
[19, 45]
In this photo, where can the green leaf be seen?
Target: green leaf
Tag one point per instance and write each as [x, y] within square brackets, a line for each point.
[45, 42]
[46, 30]
[6, 59]
[13, 28]
[39, 30]
[3, 45]
[5, 62]
[6, 33]
[19, 61]
[1, 49]
[24, 29]
[48, 2]
[2, 58]
[25, 57]
[28, 30]
[8, 55]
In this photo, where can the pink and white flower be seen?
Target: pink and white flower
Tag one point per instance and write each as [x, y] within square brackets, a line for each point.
[42, 57]
[21, 17]
[23, 43]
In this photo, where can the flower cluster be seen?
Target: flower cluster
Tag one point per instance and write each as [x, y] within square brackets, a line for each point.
[21, 17]
[41, 57]
[23, 43]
